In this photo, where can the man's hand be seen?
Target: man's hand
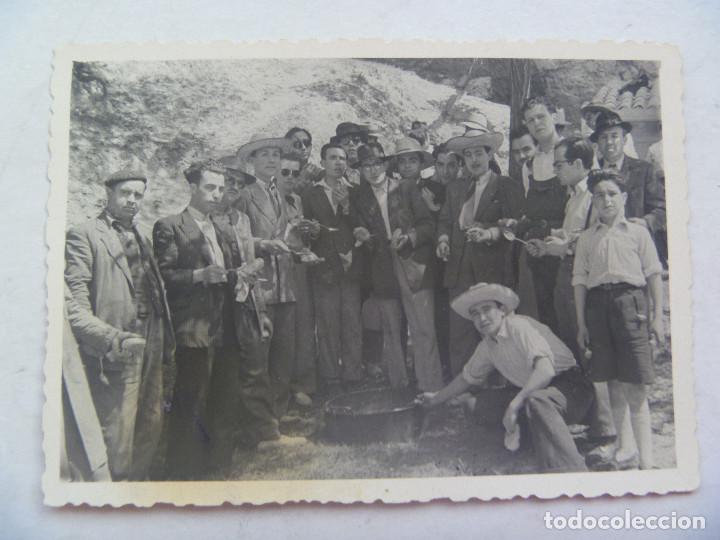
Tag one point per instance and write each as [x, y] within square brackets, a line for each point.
[511, 415]
[426, 400]
[583, 337]
[398, 240]
[657, 330]
[266, 327]
[557, 246]
[274, 247]
[125, 345]
[536, 247]
[443, 250]
[307, 226]
[429, 199]
[361, 234]
[478, 234]
[213, 274]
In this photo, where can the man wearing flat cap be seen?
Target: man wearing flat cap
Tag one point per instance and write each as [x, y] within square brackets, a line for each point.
[553, 392]
[469, 237]
[122, 325]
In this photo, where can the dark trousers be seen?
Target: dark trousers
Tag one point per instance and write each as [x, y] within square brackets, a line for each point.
[544, 273]
[566, 400]
[464, 338]
[339, 330]
[203, 418]
[281, 354]
[304, 371]
[442, 329]
[255, 404]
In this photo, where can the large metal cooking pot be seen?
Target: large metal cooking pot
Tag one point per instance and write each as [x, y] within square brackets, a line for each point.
[375, 415]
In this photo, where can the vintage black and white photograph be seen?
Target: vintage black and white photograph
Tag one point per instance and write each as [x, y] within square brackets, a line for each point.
[375, 268]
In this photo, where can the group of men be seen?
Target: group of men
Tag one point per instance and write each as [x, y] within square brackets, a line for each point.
[283, 283]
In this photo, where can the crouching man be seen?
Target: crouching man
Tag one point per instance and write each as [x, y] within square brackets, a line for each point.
[553, 391]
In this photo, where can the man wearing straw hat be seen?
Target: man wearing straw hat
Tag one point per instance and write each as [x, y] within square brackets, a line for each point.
[263, 203]
[553, 391]
[469, 238]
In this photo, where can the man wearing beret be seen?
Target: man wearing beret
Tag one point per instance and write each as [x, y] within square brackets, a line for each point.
[122, 325]
[553, 392]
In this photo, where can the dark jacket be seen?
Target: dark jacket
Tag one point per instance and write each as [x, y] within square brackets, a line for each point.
[329, 244]
[470, 263]
[407, 211]
[646, 193]
[200, 314]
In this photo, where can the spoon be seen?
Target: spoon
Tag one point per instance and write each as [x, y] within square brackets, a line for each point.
[509, 235]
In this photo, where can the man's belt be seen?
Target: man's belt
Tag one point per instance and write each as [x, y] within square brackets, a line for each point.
[608, 287]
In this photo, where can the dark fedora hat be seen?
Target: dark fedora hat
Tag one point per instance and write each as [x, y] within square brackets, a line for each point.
[373, 152]
[606, 121]
[349, 128]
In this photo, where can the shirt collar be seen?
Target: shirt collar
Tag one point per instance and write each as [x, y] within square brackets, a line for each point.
[196, 215]
[484, 177]
[580, 187]
[381, 188]
[622, 222]
[618, 164]
[503, 332]
[112, 220]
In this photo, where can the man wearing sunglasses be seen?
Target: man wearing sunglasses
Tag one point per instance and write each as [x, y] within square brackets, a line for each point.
[301, 141]
[350, 137]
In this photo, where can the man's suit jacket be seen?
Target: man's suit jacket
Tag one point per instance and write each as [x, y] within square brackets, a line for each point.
[329, 244]
[646, 193]
[200, 314]
[238, 222]
[99, 279]
[471, 262]
[267, 225]
[406, 210]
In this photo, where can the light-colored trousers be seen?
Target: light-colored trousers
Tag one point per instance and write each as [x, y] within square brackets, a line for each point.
[419, 308]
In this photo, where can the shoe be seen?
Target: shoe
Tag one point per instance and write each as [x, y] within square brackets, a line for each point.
[302, 399]
[601, 455]
[281, 442]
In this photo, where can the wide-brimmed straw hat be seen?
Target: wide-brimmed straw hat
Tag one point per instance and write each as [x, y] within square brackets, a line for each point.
[260, 141]
[408, 145]
[474, 138]
[235, 168]
[477, 120]
[483, 292]
[607, 121]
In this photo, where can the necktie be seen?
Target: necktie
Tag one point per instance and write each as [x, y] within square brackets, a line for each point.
[274, 196]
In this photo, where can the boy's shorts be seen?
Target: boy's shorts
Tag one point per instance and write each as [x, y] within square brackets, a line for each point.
[617, 321]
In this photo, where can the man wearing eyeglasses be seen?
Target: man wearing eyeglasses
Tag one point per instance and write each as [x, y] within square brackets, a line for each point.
[302, 144]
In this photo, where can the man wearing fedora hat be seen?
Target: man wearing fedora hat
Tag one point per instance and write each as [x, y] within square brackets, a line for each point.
[351, 137]
[396, 231]
[553, 392]
[468, 235]
[590, 114]
[646, 194]
[121, 320]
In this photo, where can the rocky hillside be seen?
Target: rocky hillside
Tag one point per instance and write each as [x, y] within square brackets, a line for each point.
[162, 115]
